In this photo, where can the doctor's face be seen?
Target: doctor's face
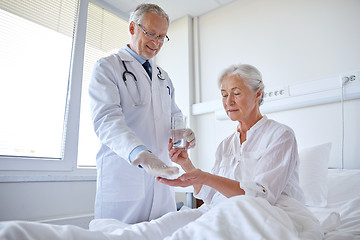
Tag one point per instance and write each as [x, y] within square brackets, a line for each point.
[140, 43]
[239, 100]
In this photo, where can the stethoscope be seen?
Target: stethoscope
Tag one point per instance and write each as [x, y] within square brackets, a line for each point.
[159, 75]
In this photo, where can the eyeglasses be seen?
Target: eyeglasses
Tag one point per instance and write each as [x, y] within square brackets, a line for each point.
[153, 36]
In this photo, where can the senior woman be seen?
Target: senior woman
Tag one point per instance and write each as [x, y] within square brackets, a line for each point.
[259, 160]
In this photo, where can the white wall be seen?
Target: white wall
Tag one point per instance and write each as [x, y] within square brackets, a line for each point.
[180, 68]
[290, 42]
[38, 201]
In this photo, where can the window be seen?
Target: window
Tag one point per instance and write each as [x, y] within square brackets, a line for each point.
[105, 34]
[35, 55]
[45, 67]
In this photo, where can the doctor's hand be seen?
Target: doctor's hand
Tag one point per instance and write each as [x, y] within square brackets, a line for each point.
[153, 165]
[188, 134]
[190, 137]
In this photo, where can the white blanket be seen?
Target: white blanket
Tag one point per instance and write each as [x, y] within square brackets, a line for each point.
[341, 217]
[252, 218]
[240, 217]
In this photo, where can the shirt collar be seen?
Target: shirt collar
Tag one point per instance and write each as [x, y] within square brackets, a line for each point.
[256, 126]
[258, 123]
[135, 55]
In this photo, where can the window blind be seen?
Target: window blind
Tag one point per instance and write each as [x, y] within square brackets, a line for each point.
[58, 15]
[35, 56]
[106, 33]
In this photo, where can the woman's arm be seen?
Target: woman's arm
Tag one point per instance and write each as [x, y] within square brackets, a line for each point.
[197, 178]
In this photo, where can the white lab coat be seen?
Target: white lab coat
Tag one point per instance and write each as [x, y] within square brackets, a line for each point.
[126, 192]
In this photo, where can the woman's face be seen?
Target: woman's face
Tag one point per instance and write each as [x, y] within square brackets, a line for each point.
[239, 101]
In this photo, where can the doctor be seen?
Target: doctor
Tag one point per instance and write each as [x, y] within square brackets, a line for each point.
[131, 107]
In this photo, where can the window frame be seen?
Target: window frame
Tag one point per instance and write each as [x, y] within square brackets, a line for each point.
[14, 168]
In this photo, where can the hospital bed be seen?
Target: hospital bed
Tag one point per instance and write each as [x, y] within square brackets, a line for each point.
[332, 195]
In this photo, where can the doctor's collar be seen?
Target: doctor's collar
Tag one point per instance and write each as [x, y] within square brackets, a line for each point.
[135, 55]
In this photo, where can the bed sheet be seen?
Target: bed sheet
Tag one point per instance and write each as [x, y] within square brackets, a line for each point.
[340, 219]
[239, 217]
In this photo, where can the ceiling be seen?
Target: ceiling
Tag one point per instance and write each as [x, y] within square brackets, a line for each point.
[174, 8]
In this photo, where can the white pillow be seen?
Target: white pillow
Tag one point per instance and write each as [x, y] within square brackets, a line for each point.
[313, 174]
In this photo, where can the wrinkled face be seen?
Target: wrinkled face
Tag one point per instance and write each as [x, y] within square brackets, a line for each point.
[140, 43]
[239, 101]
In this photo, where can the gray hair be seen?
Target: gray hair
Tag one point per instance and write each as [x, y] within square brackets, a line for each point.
[141, 10]
[249, 73]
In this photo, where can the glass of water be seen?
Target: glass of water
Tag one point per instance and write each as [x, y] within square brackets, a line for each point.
[178, 127]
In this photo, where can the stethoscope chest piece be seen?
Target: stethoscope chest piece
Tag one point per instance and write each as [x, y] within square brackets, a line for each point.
[159, 75]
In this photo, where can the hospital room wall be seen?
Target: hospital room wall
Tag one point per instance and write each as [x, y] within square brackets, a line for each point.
[70, 202]
[290, 42]
[176, 58]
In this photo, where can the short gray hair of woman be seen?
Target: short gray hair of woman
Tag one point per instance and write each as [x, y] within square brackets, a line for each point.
[249, 73]
[141, 10]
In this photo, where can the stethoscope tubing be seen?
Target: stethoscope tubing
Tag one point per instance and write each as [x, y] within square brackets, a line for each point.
[126, 71]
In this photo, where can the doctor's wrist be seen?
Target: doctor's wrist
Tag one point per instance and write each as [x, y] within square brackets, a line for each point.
[136, 151]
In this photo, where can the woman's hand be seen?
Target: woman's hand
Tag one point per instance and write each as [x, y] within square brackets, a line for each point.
[194, 178]
[180, 157]
[198, 178]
